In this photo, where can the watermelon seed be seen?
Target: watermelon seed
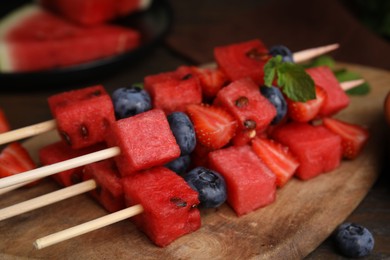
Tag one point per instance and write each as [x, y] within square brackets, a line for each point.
[95, 94]
[242, 102]
[249, 124]
[256, 55]
[178, 202]
[84, 131]
[75, 178]
[66, 137]
[187, 76]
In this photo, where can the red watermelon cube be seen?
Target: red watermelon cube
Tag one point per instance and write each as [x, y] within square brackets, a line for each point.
[163, 87]
[242, 98]
[242, 60]
[82, 115]
[170, 205]
[60, 151]
[317, 149]
[250, 183]
[336, 99]
[145, 141]
[109, 191]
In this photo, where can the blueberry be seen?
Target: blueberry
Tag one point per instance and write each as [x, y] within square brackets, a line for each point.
[209, 184]
[179, 165]
[282, 50]
[129, 101]
[275, 96]
[183, 130]
[354, 240]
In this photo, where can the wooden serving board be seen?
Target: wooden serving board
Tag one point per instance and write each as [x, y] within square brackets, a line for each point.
[303, 216]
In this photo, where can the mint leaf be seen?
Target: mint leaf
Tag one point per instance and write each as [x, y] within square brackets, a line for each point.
[345, 75]
[270, 70]
[324, 60]
[292, 78]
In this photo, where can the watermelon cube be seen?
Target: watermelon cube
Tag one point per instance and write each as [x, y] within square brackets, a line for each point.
[242, 60]
[82, 115]
[93, 12]
[109, 191]
[145, 141]
[336, 99]
[242, 98]
[170, 205]
[250, 183]
[163, 87]
[317, 149]
[60, 151]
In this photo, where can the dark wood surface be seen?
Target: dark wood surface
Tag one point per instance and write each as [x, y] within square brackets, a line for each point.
[201, 25]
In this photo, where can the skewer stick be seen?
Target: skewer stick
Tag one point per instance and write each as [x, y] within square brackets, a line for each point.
[51, 169]
[27, 131]
[47, 199]
[347, 85]
[308, 54]
[88, 227]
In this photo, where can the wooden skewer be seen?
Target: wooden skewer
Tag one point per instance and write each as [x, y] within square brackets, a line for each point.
[47, 199]
[347, 85]
[308, 54]
[87, 227]
[51, 169]
[27, 131]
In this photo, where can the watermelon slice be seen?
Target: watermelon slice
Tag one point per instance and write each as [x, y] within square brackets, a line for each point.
[170, 205]
[82, 115]
[317, 149]
[33, 39]
[250, 183]
[109, 192]
[93, 12]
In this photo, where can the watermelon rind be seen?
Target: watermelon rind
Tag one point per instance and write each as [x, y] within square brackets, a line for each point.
[9, 22]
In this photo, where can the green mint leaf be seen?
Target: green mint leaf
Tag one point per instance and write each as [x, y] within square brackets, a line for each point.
[292, 78]
[270, 69]
[345, 75]
[138, 85]
[324, 60]
[295, 82]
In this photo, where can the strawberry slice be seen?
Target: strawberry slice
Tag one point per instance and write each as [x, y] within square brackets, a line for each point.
[353, 137]
[211, 80]
[214, 126]
[4, 125]
[306, 111]
[15, 159]
[277, 157]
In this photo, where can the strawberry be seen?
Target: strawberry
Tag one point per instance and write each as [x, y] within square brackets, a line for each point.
[353, 137]
[214, 126]
[4, 125]
[277, 157]
[306, 111]
[15, 159]
[211, 80]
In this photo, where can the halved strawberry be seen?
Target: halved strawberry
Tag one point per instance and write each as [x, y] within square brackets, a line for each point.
[4, 125]
[353, 137]
[214, 126]
[306, 111]
[277, 157]
[15, 159]
[211, 80]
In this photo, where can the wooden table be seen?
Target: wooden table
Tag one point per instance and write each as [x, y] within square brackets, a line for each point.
[187, 44]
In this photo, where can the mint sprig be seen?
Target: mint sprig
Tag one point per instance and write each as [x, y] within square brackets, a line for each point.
[292, 78]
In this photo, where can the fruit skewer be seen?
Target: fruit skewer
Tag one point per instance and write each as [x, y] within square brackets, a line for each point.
[25, 177]
[45, 126]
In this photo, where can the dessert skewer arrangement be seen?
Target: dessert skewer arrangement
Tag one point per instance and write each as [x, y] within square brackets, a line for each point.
[231, 121]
